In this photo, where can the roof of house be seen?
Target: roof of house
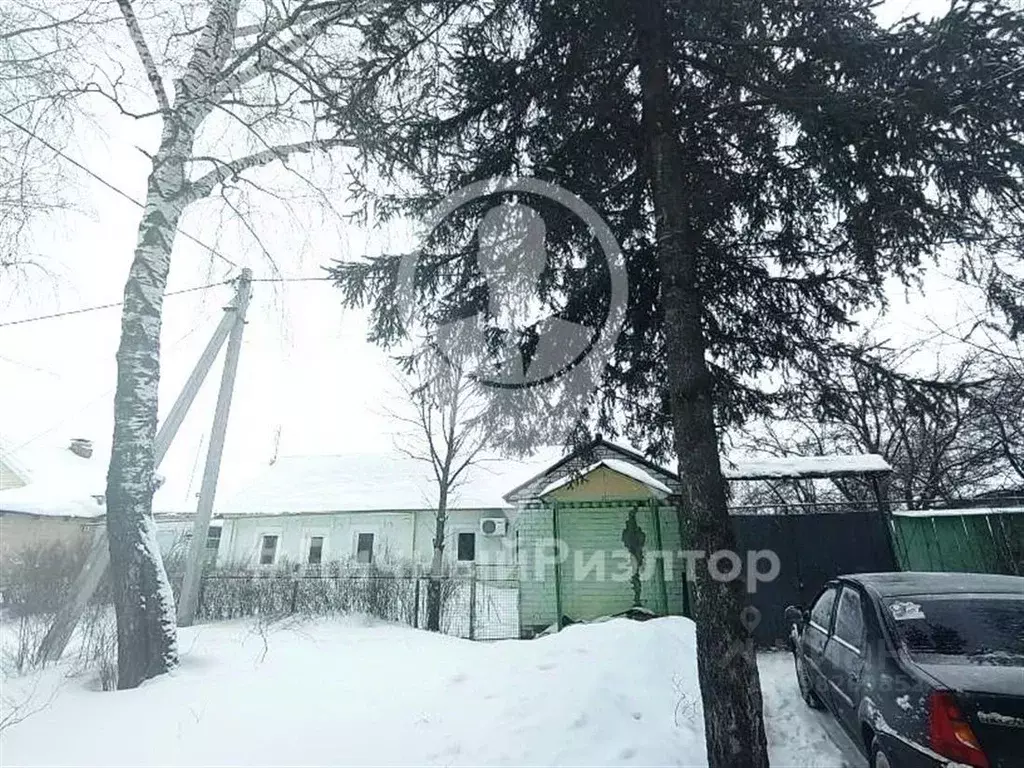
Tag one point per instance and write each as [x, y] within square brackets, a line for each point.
[373, 482]
[56, 482]
[620, 466]
[583, 460]
[53, 481]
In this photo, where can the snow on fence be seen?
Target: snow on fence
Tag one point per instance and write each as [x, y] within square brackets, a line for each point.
[479, 602]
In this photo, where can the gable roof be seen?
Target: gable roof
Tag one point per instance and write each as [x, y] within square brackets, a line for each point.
[372, 482]
[582, 461]
[619, 466]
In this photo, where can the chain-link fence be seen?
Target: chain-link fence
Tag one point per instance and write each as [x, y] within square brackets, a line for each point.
[477, 601]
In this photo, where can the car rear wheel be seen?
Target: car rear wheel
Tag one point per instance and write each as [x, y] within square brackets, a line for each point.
[805, 684]
[878, 756]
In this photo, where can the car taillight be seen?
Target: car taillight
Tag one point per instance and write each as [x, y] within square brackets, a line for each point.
[950, 733]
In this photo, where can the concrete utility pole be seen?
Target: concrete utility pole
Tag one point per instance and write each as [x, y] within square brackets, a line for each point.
[187, 600]
[98, 560]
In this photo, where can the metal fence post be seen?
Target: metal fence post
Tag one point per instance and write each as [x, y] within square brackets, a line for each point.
[416, 605]
[472, 600]
[202, 591]
[295, 593]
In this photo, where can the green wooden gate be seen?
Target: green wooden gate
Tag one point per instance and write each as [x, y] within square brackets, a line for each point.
[599, 576]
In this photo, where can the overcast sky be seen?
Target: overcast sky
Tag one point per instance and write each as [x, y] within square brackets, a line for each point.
[305, 368]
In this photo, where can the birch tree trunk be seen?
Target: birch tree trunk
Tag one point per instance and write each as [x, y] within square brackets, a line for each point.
[146, 633]
[727, 670]
[146, 630]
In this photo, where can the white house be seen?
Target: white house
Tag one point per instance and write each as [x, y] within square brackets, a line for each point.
[368, 508]
[53, 494]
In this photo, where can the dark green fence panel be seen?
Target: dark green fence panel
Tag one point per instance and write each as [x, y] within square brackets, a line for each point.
[969, 540]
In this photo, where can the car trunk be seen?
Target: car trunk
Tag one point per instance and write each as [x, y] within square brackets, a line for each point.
[991, 697]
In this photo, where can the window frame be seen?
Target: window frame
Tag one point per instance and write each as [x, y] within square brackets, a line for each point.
[826, 631]
[309, 548]
[373, 539]
[261, 547]
[849, 644]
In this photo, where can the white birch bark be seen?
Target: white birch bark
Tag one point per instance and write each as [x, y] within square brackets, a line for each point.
[147, 644]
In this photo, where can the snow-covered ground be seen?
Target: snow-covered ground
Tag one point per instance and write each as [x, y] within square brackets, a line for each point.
[355, 692]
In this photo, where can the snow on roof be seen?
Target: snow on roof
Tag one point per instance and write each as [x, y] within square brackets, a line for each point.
[805, 466]
[56, 481]
[371, 482]
[616, 465]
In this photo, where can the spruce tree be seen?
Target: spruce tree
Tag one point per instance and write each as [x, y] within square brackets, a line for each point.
[765, 167]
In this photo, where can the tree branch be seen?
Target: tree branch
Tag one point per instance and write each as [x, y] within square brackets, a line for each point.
[205, 184]
[148, 63]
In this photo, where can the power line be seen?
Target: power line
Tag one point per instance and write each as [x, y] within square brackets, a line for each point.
[81, 310]
[109, 185]
[102, 396]
[290, 279]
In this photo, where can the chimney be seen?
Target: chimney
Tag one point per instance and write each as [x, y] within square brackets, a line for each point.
[81, 447]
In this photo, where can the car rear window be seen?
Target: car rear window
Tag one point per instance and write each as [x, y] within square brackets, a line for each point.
[989, 628]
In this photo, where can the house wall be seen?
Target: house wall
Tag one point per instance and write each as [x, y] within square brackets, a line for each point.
[398, 536]
[19, 532]
[538, 600]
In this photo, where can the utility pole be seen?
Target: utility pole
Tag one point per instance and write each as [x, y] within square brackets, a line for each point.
[200, 527]
[98, 560]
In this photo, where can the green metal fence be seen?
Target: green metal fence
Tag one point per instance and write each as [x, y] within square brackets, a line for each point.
[962, 540]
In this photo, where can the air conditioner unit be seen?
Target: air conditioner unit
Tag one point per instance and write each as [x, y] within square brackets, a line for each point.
[493, 526]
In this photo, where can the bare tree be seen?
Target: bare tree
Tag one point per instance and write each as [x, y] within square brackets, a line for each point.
[927, 430]
[43, 48]
[266, 74]
[999, 415]
[447, 430]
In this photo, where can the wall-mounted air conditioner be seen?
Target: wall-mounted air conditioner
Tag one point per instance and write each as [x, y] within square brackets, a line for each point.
[493, 526]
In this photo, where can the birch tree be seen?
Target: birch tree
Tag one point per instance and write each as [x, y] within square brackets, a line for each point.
[266, 73]
[447, 431]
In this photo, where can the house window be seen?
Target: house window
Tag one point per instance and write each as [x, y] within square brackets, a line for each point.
[213, 539]
[268, 550]
[316, 550]
[467, 546]
[212, 544]
[364, 548]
